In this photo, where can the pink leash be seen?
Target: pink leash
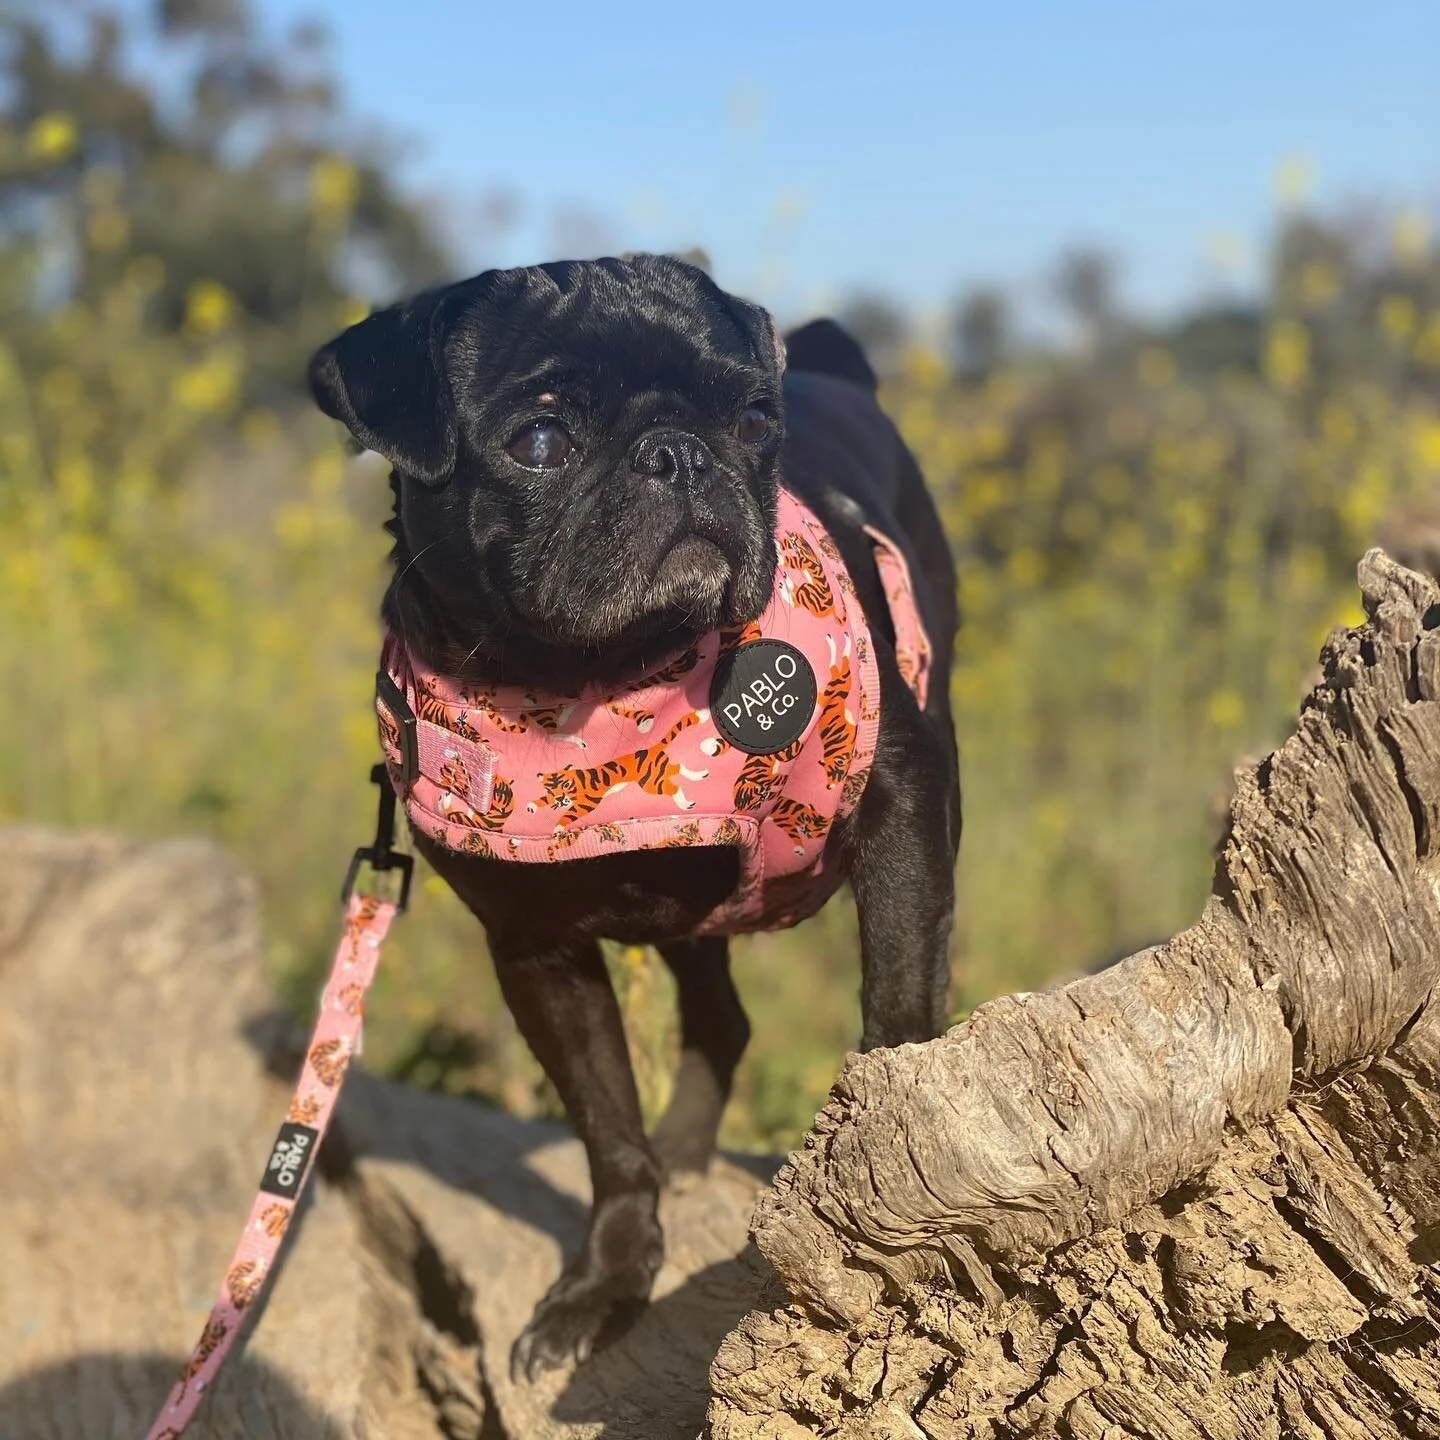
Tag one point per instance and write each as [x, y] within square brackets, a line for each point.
[335, 1039]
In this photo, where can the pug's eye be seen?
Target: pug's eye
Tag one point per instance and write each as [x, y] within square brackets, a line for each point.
[754, 425]
[541, 445]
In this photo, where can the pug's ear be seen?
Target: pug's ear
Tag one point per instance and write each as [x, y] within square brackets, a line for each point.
[385, 379]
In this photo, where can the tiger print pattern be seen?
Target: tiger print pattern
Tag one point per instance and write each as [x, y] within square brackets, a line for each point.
[389, 730]
[549, 718]
[760, 774]
[831, 551]
[304, 1110]
[274, 1220]
[216, 1329]
[799, 820]
[455, 777]
[854, 786]
[351, 1000]
[732, 636]
[837, 724]
[431, 708]
[328, 1059]
[607, 832]
[643, 719]
[813, 592]
[502, 806]
[575, 793]
[243, 1281]
[356, 924]
[688, 834]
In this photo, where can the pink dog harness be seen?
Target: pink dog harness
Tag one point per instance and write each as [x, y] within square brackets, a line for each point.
[759, 738]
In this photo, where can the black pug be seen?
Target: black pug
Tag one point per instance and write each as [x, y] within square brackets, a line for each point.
[586, 457]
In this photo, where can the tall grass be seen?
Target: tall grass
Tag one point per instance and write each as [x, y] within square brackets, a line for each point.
[1148, 559]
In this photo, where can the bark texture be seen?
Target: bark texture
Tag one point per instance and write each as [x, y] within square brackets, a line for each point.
[1195, 1195]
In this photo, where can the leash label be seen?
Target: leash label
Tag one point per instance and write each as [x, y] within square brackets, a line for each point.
[294, 1149]
[763, 696]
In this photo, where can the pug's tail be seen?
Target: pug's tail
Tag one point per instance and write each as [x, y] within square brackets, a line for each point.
[829, 349]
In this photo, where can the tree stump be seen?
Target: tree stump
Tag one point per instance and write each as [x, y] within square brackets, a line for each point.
[1196, 1195]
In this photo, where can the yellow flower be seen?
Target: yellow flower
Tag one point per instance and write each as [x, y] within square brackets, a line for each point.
[1425, 444]
[1287, 354]
[352, 312]
[334, 186]
[209, 307]
[211, 386]
[1225, 709]
[53, 137]
[1293, 180]
[1398, 317]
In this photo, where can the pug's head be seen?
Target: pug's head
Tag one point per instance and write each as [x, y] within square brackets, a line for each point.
[584, 463]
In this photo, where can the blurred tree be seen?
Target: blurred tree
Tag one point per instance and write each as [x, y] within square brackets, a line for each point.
[980, 331]
[234, 176]
[1215, 338]
[1085, 284]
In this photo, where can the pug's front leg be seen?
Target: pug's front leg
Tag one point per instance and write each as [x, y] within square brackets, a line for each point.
[907, 833]
[565, 1007]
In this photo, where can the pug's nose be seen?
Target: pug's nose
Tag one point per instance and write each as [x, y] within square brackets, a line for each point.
[671, 454]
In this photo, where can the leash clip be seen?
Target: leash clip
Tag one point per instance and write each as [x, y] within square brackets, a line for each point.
[381, 854]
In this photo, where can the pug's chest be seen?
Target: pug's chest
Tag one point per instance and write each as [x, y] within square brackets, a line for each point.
[636, 898]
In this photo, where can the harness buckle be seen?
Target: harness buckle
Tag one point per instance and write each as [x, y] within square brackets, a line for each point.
[381, 855]
[390, 695]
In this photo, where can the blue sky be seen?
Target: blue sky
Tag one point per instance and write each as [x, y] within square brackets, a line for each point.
[912, 146]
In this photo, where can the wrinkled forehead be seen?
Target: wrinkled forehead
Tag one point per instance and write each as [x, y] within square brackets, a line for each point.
[596, 345]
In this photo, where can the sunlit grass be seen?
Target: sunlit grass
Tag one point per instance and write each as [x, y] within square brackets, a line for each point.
[1146, 572]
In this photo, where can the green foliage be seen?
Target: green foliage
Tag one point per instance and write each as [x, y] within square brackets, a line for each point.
[1153, 535]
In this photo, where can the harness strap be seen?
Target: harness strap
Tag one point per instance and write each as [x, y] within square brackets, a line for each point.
[334, 1041]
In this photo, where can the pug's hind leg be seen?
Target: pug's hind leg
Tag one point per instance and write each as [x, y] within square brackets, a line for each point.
[713, 1036]
[564, 1004]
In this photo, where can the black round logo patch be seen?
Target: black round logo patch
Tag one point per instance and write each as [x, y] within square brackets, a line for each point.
[763, 696]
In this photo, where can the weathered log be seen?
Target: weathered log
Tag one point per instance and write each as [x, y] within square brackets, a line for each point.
[1195, 1195]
